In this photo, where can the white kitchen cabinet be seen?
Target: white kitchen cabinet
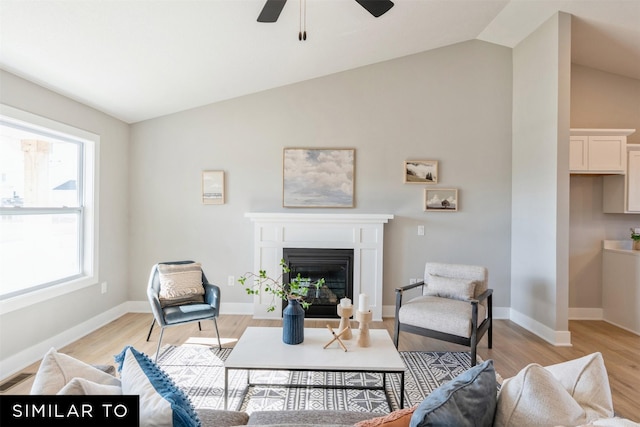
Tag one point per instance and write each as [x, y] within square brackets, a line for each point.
[578, 153]
[633, 180]
[598, 151]
[621, 285]
[621, 193]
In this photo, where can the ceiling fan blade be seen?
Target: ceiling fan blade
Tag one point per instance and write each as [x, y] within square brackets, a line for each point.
[376, 7]
[271, 10]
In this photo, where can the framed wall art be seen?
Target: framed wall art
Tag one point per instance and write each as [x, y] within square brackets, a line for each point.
[213, 187]
[421, 172]
[318, 178]
[441, 199]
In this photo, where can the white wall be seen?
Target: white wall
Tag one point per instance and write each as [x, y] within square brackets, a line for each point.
[25, 333]
[452, 105]
[598, 100]
[539, 257]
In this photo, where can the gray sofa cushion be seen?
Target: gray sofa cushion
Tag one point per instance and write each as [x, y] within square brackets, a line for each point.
[219, 418]
[299, 418]
[467, 400]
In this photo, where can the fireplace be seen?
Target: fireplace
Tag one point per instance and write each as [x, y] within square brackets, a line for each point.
[335, 266]
[361, 233]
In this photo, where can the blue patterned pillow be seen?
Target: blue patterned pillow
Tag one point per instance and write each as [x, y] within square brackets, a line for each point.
[162, 403]
[467, 400]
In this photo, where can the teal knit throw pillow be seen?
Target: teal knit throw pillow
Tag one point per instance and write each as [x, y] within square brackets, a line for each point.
[162, 403]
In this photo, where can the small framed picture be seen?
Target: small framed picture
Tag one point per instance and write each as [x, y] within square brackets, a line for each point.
[213, 187]
[441, 199]
[421, 172]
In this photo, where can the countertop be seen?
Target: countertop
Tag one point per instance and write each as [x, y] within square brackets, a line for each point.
[620, 246]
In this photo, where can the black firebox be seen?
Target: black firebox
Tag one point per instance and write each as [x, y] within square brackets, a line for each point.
[334, 265]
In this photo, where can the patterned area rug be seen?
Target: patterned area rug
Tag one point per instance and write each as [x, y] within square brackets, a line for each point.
[199, 371]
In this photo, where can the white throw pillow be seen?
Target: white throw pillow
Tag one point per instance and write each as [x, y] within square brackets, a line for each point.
[180, 282]
[57, 369]
[447, 287]
[569, 393]
[162, 403]
[84, 387]
[587, 381]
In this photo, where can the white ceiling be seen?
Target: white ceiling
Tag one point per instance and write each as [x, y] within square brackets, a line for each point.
[139, 59]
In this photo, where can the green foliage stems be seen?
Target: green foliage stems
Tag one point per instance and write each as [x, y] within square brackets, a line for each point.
[297, 288]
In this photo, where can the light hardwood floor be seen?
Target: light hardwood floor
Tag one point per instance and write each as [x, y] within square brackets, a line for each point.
[513, 348]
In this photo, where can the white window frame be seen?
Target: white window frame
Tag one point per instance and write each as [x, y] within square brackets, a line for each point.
[89, 268]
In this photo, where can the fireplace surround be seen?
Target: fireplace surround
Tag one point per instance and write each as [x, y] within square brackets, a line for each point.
[363, 233]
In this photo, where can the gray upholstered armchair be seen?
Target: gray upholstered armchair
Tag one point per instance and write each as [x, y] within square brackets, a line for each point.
[455, 306]
[202, 304]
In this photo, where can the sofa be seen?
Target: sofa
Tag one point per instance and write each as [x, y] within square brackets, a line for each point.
[573, 393]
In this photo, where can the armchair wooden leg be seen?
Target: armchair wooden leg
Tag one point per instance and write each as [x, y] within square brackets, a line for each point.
[396, 333]
[215, 322]
[490, 315]
[396, 328]
[490, 335]
[474, 348]
[151, 329]
[199, 326]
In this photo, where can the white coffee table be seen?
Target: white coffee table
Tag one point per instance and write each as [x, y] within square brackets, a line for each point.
[263, 349]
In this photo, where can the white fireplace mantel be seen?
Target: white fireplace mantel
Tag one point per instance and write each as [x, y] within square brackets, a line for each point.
[364, 233]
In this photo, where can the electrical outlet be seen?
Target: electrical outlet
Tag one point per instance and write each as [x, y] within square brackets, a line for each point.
[231, 281]
[104, 287]
[413, 281]
[421, 230]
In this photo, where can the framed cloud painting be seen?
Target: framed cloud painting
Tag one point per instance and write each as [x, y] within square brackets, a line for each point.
[318, 178]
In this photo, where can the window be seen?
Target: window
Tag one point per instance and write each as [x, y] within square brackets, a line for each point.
[47, 199]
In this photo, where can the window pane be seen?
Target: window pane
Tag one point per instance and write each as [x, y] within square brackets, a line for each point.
[37, 170]
[37, 249]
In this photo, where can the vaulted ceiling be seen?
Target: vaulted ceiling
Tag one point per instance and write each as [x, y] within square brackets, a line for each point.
[139, 59]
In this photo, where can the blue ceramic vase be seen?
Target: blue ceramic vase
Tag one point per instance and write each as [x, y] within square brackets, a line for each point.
[293, 322]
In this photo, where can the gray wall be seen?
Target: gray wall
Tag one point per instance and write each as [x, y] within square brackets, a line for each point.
[598, 100]
[34, 325]
[452, 105]
[539, 258]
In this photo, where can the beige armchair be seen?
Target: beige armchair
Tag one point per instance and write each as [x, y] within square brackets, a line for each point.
[455, 306]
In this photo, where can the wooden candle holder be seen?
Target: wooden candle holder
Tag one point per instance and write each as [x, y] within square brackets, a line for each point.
[345, 324]
[364, 318]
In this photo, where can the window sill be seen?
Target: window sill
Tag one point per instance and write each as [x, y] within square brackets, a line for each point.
[25, 300]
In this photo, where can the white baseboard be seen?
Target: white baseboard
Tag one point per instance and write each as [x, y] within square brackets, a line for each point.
[578, 313]
[138, 307]
[388, 311]
[557, 338]
[622, 327]
[503, 313]
[236, 308]
[26, 357]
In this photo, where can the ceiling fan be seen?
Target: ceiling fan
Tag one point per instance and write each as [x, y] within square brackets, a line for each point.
[272, 8]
